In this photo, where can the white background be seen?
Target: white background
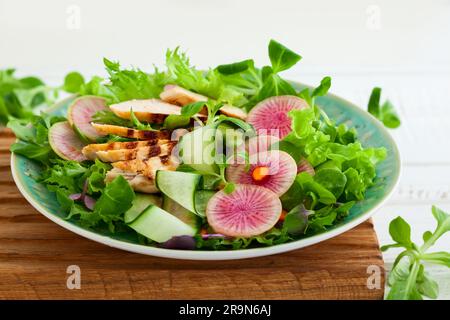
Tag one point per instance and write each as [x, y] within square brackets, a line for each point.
[402, 46]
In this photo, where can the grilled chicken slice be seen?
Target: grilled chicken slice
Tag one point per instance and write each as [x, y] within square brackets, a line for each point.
[180, 96]
[150, 110]
[138, 182]
[131, 133]
[148, 167]
[177, 95]
[141, 153]
[233, 112]
[90, 151]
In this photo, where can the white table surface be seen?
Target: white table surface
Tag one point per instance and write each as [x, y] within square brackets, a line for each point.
[402, 46]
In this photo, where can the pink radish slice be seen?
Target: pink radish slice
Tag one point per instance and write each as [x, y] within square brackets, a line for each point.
[65, 142]
[282, 170]
[262, 143]
[270, 116]
[247, 211]
[81, 112]
[305, 166]
[256, 144]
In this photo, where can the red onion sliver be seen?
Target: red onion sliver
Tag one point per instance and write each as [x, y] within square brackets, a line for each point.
[180, 243]
[305, 166]
[89, 202]
[76, 196]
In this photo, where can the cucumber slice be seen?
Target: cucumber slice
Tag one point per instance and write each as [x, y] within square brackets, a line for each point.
[181, 213]
[210, 182]
[141, 202]
[197, 150]
[159, 225]
[179, 186]
[201, 200]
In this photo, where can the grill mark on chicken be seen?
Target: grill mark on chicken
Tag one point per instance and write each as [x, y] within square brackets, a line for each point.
[158, 118]
[131, 133]
[147, 167]
[164, 159]
[153, 151]
[140, 153]
[151, 135]
[90, 150]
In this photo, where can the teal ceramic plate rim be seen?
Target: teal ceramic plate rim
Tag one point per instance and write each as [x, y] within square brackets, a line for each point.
[225, 254]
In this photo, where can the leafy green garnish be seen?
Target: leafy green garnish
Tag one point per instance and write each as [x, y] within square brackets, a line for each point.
[97, 86]
[174, 121]
[252, 85]
[19, 96]
[68, 177]
[384, 112]
[122, 85]
[207, 83]
[73, 82]
[237, 67]
[116, 198]
[408, 279]
[296, 221]
[274, 85]
[108, 117]
[192, 109]
[321, 90]
[33, 137]
[281, 57]
[138, 124]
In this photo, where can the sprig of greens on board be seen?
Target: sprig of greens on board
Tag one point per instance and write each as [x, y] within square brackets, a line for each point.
[384, 112]
[408, 279]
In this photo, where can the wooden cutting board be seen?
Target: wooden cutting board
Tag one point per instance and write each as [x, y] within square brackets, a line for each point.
[35, 255]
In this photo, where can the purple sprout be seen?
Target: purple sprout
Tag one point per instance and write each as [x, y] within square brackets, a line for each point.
[88, 201]
[180, 243]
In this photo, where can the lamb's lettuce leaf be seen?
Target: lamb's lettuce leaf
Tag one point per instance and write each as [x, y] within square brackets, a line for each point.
[385, 112]
[20, 95]
[33, 137]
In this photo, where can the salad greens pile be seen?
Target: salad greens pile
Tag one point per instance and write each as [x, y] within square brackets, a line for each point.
[66, 177]
[408, 279]
[344, 169]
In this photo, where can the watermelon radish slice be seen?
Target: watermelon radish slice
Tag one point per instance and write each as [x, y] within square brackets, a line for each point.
[274, 170]
[270, 116]
[246, 212]
[80, 115]
[262, 143]
[305, 166]
[65, 142]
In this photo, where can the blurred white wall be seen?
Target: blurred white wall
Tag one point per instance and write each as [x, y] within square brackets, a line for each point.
[51, 37]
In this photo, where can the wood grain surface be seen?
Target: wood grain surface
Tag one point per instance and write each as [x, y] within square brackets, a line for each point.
[35, 254]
